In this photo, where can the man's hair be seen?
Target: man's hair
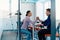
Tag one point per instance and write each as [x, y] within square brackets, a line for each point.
[48, 9]
[27, 12]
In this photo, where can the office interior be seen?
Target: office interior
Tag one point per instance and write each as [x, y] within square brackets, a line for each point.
[9, 17]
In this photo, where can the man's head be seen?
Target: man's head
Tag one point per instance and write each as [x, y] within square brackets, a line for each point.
[48, 11]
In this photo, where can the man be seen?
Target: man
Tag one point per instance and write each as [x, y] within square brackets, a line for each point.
[47, 23]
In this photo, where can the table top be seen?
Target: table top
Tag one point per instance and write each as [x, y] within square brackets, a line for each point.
[36, 28]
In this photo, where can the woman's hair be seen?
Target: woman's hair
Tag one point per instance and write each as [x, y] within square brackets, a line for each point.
[27, 12]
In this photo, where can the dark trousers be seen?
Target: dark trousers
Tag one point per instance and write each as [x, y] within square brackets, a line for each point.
[41, 34]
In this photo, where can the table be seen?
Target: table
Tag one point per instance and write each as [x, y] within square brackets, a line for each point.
[35, 28]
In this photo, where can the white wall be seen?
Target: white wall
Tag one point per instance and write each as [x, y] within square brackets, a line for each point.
[25, 7]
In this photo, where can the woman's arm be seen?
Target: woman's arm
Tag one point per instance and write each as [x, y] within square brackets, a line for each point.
[30, 21]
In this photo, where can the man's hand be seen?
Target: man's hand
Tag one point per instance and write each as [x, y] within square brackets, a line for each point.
[40, 25]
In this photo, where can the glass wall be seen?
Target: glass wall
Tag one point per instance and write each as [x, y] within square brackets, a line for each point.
[58, 16]
[4, 10]
[8, 19]
[41, 9]
[27, 5]
[8, 10]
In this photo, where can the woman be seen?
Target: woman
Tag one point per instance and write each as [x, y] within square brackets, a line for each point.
[26, 23]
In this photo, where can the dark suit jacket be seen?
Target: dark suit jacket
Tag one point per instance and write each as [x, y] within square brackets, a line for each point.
[47, 23]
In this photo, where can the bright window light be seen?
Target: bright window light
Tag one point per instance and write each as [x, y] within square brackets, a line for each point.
[41, 9]
[57, 9]
[5, 6]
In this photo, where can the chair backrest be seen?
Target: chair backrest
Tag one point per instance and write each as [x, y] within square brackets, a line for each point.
[58, 28]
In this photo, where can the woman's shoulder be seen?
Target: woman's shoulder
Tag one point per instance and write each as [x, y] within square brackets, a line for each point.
[26, 18]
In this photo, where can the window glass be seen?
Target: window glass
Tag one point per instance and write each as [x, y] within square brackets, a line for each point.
[41, 9]
[8, 21]
[58, 15]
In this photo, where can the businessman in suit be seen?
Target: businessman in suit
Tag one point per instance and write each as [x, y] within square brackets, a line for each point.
[47, 23]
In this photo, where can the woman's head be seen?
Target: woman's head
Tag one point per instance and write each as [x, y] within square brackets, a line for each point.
[28, 13]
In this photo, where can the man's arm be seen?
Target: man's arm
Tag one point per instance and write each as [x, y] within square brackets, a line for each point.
[47, 22]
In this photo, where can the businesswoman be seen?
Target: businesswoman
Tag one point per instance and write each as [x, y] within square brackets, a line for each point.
[26, 22]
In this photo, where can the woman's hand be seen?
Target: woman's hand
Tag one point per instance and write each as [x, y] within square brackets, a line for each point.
[37, 18]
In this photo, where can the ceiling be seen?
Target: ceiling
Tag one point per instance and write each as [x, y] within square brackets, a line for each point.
[34, 0]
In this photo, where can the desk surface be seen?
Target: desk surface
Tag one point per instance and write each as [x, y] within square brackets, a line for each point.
[36, 28]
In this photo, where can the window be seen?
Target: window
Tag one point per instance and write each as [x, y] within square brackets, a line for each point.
[8, 21]
[46, 5]
[41, 9]
[58, 13]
